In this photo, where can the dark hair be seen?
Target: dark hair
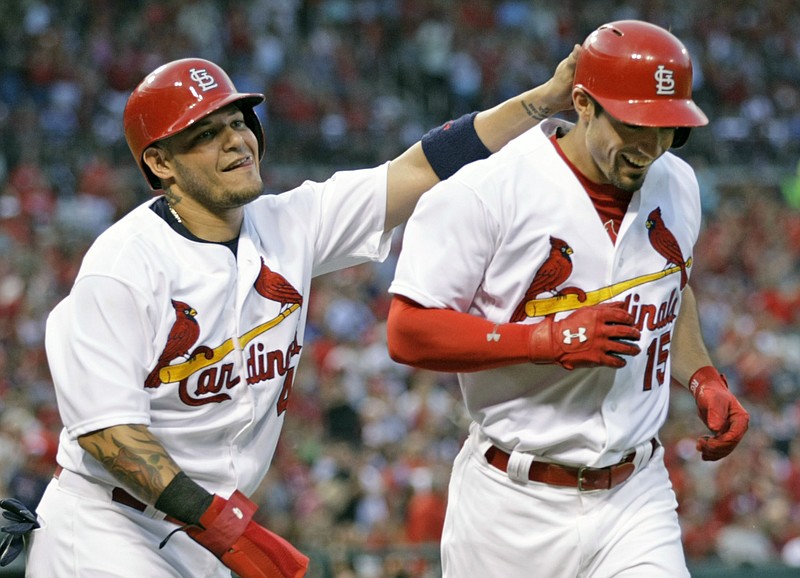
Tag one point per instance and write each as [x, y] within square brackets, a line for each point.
[598, 108]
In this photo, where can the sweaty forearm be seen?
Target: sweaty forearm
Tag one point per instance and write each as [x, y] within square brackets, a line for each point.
[499, 125]
[446, 340]
[223, 526]
[135, 457]
[688, 350]
[413, 172]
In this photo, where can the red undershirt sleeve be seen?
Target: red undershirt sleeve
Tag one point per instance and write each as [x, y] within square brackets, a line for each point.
[447, 340]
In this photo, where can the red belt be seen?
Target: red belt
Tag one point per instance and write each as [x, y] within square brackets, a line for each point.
[117, 495]
[584, 478]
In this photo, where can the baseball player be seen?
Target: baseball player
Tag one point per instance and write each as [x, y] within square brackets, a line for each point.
[174, 354]
[552, 277]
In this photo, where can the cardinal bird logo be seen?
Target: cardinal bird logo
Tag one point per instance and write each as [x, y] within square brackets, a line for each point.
[182, 337]
[664, 242]
[275, 287]
[553, 272]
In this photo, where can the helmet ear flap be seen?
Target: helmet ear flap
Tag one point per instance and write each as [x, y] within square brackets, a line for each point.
[681, 136]
[252, 122]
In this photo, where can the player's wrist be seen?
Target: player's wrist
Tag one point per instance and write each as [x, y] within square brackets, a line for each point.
[707, 374]
[453, 145]
[544, 101]
[541, 349]
[184, 499]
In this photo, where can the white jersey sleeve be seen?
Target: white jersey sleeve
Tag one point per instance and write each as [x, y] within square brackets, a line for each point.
[108, 346]
[452, 225]
[341, 219]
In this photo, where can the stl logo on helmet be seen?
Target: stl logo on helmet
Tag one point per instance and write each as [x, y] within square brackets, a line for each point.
[203, 79]
[665, 83]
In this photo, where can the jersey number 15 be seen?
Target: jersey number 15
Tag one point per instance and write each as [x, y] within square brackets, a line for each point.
[657, 359]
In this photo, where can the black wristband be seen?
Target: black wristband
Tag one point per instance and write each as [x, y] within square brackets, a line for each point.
[453, 145]
[184, 500]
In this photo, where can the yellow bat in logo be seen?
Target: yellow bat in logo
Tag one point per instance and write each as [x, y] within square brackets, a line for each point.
[551, 305]
[174, 373]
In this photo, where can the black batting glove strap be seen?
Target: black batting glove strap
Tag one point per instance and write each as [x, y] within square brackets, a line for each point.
[453, 145]
[13, 535]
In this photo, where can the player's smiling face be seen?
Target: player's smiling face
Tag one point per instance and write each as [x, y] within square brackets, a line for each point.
[623, 153]
[215, 161]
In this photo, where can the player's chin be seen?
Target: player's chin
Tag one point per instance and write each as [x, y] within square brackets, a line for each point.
[241, 196]
[630, 184]
[628, 179]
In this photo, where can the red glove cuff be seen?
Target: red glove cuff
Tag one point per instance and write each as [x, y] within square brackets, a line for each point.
[225, 521]
[250, 550]
[703, 376]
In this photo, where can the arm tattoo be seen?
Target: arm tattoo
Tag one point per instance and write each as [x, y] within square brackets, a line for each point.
[538, 113]
[134, 457]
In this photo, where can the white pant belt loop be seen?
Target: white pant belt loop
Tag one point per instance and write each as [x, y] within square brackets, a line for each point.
[519, 465]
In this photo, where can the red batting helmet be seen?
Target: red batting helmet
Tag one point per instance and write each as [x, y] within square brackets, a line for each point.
[642, 75]
[174, 96]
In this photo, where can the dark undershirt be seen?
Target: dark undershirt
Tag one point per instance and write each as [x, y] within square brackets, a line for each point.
[161, 209]
[610, 201]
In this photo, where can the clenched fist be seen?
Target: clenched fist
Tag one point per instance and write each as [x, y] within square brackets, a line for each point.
[720, 411]
[589, 337]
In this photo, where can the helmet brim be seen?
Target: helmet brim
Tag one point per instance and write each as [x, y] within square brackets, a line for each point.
[190, 117]
[655, 113]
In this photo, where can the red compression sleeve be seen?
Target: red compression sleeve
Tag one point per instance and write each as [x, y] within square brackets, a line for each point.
[447, 340]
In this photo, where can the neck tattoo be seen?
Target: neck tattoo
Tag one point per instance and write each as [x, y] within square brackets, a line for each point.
[174, 213]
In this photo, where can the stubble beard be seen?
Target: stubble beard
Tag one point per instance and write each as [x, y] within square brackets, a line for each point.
[223, 200]
[627, 184]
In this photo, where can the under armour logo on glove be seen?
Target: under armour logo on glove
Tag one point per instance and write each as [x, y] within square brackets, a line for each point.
[593, 336]
[580, 335]
[13, 540]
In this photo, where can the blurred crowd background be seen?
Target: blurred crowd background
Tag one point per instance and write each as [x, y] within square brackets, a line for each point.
[361, 474]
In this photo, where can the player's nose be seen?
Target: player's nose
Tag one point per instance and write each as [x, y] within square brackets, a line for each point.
[234, 139]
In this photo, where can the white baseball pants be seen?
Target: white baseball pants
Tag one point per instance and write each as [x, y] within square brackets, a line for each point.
[496, 527]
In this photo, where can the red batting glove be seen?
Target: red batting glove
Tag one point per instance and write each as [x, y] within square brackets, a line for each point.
[590, 337]
[720, 411]
[250, 550]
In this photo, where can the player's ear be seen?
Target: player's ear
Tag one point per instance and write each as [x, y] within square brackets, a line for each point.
[157, 160]
[584, 105]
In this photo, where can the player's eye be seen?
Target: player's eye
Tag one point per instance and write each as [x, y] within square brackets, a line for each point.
[632, 127]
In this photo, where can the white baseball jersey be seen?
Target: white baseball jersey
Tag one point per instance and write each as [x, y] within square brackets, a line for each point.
[477, 240]
[216, 400]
